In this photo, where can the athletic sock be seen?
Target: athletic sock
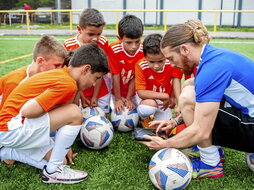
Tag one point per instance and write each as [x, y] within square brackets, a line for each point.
[145, 111]
[218, 146]
[209, 155]
[14, 154]
[64, 138]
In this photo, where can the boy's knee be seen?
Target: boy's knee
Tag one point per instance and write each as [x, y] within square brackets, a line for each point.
[149, 102]
[76, 114]
[145, 111]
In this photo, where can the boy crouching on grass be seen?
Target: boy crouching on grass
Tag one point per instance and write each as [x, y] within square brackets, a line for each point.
[90, 28]
[154, 76]
[42, 104]
[123, 55]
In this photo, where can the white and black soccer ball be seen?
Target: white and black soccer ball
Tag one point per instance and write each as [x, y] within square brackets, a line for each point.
[125, 121]
[249, 158]
[96, 132]
[89, 112]
[169, 169]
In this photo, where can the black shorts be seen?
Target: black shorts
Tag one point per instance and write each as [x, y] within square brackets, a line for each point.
[233, 129]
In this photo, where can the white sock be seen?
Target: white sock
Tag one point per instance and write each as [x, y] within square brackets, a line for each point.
[14, 154]
[145, 111]
[64, 138]
[218, 146]
[209, 155]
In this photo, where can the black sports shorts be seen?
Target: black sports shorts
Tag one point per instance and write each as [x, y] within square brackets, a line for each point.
[233, 129]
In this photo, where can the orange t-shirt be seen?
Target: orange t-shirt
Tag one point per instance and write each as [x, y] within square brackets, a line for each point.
[71, 44]
[147, 79]
[49, 89]
[120, 62]
[10, 81]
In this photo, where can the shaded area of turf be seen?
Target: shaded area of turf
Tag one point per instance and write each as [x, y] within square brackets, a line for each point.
[123, 165]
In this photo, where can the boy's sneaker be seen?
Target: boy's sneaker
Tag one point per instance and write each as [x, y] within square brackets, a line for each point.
[145, 122]
[249, 158]
[194, 153]
[201, 170]
[63, 174]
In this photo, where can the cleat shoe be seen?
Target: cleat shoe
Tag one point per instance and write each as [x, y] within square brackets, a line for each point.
[201, 170]
[222, 154]
[194, 153]
[249, 158]
[145, 122]
[64, 174]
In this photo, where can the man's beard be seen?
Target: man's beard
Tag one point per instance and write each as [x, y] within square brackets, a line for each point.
[187, 68]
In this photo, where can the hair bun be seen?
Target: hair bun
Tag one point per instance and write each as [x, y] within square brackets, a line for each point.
[200, 33]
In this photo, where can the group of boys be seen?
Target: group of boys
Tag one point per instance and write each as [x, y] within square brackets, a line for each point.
[33, 101]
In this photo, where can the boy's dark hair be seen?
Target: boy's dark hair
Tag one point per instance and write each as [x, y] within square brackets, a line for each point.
[90, 54]
[91, 17]
[151, 44]
[130, 26]
[68, 58]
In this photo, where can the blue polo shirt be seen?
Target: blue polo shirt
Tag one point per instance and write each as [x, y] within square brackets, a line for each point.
[225, 73]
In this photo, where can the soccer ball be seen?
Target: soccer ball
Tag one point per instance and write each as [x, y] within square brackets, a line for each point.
[89, 112]
[169, 169]
[96, 132]
[249, 158]
[125, 121]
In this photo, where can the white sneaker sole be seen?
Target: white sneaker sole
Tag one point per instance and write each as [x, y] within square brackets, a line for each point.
[46, 179]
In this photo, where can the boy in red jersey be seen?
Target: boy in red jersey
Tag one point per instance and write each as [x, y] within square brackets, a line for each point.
[153, 77]
[36, 107]
[91, 24]
[123, 56]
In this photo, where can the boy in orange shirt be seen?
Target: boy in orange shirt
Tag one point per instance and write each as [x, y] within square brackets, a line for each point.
[153, 77]
[91, 24]
[42, 104]
[123, 56]
[48, 54]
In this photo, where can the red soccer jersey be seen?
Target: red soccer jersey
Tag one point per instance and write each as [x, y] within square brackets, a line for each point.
[71, 44]
[11, 81]
[49, 88]
[147, 79]
[120, 62]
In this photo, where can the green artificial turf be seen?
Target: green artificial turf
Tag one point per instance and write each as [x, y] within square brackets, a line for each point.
[124, 164]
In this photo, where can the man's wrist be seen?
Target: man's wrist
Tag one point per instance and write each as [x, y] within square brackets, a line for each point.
[176, 123]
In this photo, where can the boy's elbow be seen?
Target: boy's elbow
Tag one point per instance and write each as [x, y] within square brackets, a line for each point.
[26, 113]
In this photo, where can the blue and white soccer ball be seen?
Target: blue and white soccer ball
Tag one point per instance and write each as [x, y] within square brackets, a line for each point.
[125, 121]
[89, 112]
[169, 169]
[96, 132]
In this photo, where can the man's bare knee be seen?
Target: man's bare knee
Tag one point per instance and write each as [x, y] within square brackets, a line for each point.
[189, 82]
[187, 97]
